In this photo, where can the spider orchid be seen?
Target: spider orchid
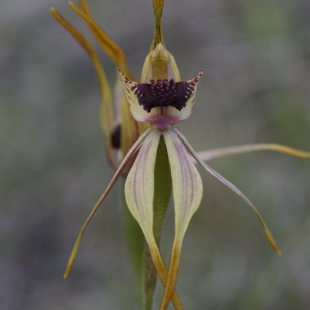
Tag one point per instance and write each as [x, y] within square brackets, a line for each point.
[159, 101]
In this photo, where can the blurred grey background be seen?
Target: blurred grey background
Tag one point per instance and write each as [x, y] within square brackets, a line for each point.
[256, 57]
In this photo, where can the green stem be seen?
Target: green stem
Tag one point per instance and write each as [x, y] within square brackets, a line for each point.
[136, 245]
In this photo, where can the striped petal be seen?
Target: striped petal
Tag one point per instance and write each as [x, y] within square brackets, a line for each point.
[187, 194]
[118, 172]
[139, 194]
[139, 186]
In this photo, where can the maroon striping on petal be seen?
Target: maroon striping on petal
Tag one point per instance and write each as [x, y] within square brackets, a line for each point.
[164, 93]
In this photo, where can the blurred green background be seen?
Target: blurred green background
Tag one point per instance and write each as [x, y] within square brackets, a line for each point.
[256, 57]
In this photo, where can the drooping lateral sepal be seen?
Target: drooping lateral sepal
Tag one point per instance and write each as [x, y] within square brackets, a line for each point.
[187, 193]
[139, 186]
[162, 195]
[139, 194]
[118, 172]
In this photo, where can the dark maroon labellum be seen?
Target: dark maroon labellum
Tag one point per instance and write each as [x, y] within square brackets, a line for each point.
[163, 93]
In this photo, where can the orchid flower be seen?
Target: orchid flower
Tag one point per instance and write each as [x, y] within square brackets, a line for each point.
[158, 101]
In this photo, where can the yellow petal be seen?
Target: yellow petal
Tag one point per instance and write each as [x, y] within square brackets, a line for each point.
[107, 114]
[187, 194]
[105, 42]
[233, 188]
[129, 129]
[234, 150]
